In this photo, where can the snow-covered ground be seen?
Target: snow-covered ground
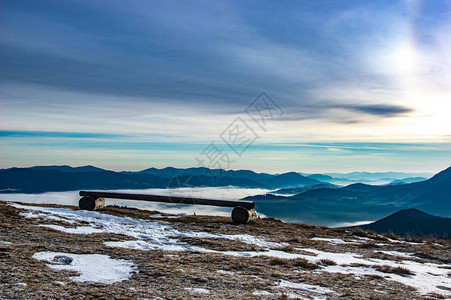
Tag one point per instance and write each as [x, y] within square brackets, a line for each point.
[198, 290]
[92, 267]
[305, 287]
[397, 253]
[147, 235]
[315, 292]
[333, 241]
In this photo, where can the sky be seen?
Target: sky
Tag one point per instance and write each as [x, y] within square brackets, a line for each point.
[272, 86]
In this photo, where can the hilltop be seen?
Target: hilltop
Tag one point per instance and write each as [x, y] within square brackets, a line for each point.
[412, 222]
[54, 252]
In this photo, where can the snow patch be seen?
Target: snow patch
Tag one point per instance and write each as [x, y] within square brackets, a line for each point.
[397, 253]
[75, 230]
[21, 284]
[426, 279]
[405, 242]
[314, 289]
[149, 235]
[261, 293]
[198, 290]
[35, 214]
[333, 241]
[143, 245]
[225, 272]
[362, 238]
[92, 267]
[159, 216]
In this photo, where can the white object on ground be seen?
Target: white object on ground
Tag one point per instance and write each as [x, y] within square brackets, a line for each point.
[261, 293]
[225, 272]
[92, 267]
[333, 241]
[20, 284]
[198, 290]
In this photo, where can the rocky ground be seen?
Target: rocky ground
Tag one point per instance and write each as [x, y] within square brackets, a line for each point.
[55, 252]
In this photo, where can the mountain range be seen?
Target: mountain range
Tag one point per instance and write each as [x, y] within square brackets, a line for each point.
[408, 180]
[378, 178]
[63, 178]
[294, 197]
[357, 202]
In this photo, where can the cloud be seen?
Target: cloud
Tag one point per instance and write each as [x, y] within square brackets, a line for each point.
[182, 71]
[178, 51]
[55, 134]
[384, 110]
[332, 112]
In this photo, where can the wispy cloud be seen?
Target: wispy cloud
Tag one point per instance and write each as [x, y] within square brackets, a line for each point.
[181, 71]
[380, 109]
[55, 134]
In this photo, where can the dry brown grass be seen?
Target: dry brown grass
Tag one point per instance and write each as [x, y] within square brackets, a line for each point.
[395, 270]
[305, 264]
[413, 239]
[288, 249]
[166, 276]
[374, 277]
[279, 262]
[327, 262]
[362, 233]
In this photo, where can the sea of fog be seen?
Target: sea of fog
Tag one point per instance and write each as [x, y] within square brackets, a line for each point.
[221, 193]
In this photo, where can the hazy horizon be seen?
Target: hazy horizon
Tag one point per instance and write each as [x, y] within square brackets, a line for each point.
[232, 169]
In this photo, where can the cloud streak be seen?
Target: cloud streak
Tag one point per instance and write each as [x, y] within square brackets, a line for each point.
[380, 109]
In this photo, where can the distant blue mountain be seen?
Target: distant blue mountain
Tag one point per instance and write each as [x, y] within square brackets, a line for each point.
[290, 179]
[62, 178]
[412, 222]
[377, 175]
[360, 187]
[321, 177]
[369, 178]
[27, 180]
[407, 180]
[359, 202]
[65, 168]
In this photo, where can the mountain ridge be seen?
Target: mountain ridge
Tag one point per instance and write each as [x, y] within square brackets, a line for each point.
[63, 178]
[312, 202]
[412, 222]
[358, 202]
